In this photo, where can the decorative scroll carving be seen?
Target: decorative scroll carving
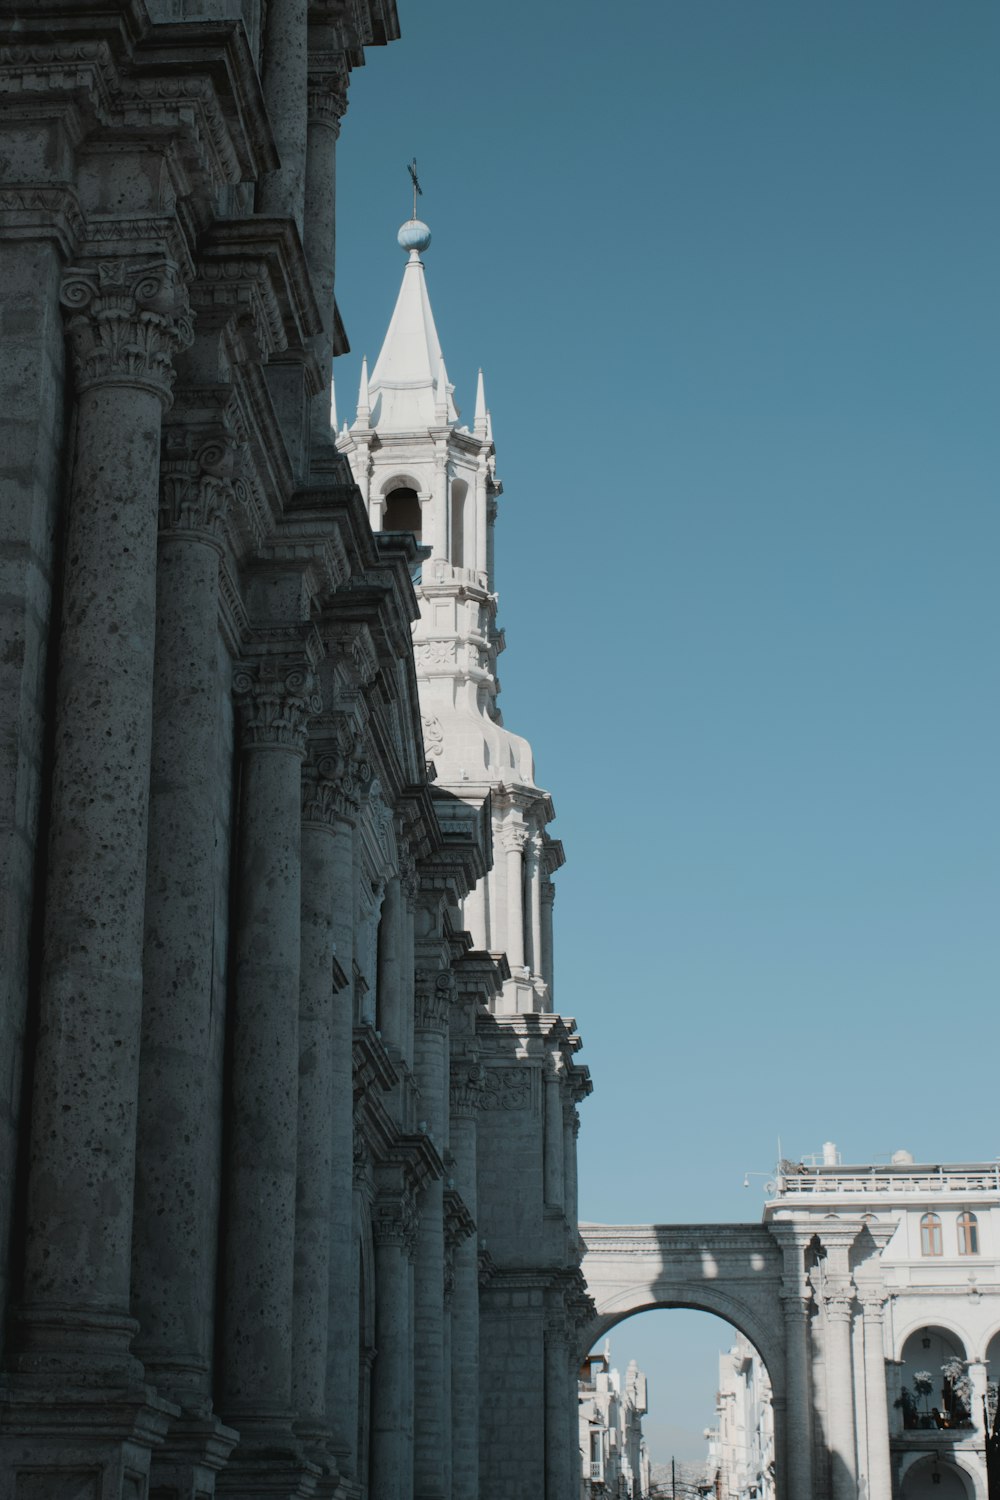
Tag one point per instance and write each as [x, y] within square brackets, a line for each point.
[433, 736]
[506, 1088]
[277, 699]
[125, 320]
[394, 1222]
[196, 481]
[513, 838]
[466, 1087]
[433, 994]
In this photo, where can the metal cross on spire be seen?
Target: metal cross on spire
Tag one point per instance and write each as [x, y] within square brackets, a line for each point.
[411, 167]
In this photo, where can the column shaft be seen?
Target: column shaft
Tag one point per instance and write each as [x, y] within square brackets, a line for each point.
[548, 893]
[260, 1247]
[515, 904]
[840, 1397]
[391, 1435]
[82, 1152]
[389, 1016]
[315, 1127]
[465, 1298]
[559, 1483]
[178, 1160]
[430, 1068]
[535, 904]
[798, 1409]
[555, 1187]
[876, 1403]
[342, 1371]
[285, 82]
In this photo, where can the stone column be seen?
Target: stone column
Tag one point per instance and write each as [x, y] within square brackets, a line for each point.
[178, 1157]
[342, 1375]
[548, 894]
[439, 538]
[327, 101]
[978, 1379]
[481, 525]
[466, 1093]
[558, 1471]
[535, 902]
[876, 1396]
[555, 1188]
[392, 1373]
[313, 1204]
[837, 1301]
[281, 193]
[433, 998]
[390, 1017]
[796, 1298]
[571, 1130]
[276, 698]
[125, 319]
[512, 842]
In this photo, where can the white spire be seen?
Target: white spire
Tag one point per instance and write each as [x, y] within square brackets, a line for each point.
[479, 421]
[489, 425]
[364, 400]
[406, 381]
[333, 404]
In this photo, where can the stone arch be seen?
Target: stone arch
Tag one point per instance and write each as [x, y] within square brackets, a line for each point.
[916, 1465]
[945, 1324]
[765, 1340]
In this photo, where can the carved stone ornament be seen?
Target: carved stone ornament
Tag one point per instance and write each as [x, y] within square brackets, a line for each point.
[513, 838]
[433, 994]
[394, 1222]
[506, 1088]
[466, 1087]
[838, 1304]
[196, 483]
[277, 699]
[126, 320]
[433, 736]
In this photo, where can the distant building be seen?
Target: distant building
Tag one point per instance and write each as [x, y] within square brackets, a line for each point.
[741, 1446]
[613, 1457]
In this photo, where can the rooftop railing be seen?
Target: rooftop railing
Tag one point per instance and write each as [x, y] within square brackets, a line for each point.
[836, 1182]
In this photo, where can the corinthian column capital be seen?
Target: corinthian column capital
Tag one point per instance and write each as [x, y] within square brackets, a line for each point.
[126, 320]
[277, 698]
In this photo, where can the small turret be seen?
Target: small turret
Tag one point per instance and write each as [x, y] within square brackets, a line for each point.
[364, 401]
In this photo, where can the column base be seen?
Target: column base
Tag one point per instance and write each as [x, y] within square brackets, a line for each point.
[78, 1442]
[195, 1450]
[256, 1474]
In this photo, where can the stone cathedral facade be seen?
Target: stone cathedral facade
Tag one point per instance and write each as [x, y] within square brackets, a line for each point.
[287, 1117]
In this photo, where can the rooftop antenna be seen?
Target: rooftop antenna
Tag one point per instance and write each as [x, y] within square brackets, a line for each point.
[411, 167]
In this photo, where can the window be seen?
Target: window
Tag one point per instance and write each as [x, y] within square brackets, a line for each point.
[930, 1235]
[968, 1233]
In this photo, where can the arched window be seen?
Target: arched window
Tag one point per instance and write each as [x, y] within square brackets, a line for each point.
[930, 1235]
[402, 511]
[968, 1233]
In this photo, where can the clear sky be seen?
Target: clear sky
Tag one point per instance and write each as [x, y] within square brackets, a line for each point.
[731, 269]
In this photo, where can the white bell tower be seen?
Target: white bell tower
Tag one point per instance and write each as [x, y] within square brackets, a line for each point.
[420, 471]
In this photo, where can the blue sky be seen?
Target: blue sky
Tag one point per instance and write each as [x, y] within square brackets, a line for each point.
[731, 270]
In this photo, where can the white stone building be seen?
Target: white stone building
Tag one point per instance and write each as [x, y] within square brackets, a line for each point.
[923, 1350]
[614, 1462]
[741, 1463]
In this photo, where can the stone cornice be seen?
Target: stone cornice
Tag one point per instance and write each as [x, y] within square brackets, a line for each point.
[42, 211]
[459, 1224]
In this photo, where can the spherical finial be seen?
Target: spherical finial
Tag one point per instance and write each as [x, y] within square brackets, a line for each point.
[414, 235]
